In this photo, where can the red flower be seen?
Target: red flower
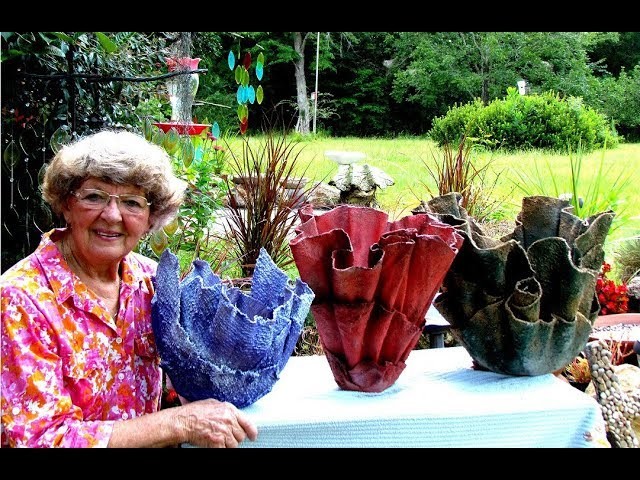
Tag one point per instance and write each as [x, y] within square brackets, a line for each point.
[612, 298]
[20, 119]
[171, 396]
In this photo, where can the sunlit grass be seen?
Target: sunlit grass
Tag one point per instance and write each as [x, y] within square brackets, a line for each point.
[402, 159]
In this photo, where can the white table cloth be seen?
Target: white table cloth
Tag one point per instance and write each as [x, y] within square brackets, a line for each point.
[438, 401]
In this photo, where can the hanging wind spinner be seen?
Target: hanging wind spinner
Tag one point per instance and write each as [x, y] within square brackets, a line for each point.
[245, 92]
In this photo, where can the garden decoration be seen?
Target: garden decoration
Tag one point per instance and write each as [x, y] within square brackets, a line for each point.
[619, 409]
[246, 93]
[357, 182]
[374, 281]
[619, 331]
[182, 93]
[524, 304]
[221, 342]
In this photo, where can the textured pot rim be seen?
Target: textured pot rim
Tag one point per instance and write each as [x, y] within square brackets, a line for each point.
[617, 319]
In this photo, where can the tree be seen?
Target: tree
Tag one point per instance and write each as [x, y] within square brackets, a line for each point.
[440, 69]
[359, 85]
[56, 85]
[286, 49]
[616, 52]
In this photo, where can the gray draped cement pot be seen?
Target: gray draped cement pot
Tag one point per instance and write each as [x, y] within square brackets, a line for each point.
[523, 304]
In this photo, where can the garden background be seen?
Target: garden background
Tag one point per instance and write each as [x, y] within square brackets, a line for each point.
[396, 96]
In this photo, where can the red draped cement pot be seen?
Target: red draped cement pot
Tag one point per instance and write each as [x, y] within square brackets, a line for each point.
[373, 281]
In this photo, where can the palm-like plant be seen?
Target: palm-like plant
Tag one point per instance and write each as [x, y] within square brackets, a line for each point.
[605, 191]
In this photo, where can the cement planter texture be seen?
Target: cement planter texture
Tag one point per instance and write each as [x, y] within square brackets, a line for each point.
[523, 304]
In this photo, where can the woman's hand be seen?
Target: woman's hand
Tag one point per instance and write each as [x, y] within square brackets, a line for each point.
[211, 423]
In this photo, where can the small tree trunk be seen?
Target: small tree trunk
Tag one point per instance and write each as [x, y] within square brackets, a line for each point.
[184, 105]
[301, 85]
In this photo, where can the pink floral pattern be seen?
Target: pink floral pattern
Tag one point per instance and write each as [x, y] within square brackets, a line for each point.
[70, 370]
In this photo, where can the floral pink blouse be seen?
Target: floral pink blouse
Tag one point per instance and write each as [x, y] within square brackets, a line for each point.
[69, 369]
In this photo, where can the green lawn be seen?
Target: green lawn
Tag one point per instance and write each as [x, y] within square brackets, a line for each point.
[403, 159]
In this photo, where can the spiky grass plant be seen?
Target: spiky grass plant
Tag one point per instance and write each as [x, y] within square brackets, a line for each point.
[627, 258]
[262, 210]
[605, 190]
[456, 171]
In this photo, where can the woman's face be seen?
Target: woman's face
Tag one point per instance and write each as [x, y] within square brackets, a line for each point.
[105, 235]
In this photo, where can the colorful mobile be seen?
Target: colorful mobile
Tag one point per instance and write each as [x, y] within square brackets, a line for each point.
[246, 93]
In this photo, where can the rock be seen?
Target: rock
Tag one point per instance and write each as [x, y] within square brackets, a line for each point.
[617, 389]
[324, 195]
[628, 378]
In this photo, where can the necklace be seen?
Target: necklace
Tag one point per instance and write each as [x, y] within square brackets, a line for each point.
[113, 307]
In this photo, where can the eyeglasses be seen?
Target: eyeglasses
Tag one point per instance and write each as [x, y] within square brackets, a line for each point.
[98, 199]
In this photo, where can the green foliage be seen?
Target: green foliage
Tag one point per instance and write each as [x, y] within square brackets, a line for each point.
[309, 342]
[458, 122]
[456, 172]
[605, 190]
[358, 81]
[434, 70]
[619, 99]
[516, 122]
[200, 162]
[63, 82]
[617, 52]
[627, 258]
[325, 110]
[260, 212]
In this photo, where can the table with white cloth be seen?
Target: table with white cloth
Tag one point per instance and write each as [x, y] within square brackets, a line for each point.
[439, 400]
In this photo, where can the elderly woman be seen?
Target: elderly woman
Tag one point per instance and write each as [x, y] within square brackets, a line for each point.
[79, 366]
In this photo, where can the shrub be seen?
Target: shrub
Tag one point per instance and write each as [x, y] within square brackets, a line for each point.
[199, 161]
[516, 122]
[619, 99]
[627, 258]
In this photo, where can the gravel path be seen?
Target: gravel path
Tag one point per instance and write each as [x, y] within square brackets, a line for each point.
[618, 332]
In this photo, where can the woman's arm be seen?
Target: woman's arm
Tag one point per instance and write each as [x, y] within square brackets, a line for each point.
[40, 411]
[204, 423]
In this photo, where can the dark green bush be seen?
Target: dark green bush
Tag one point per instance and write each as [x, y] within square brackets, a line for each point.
[619, 99]
[517, 122]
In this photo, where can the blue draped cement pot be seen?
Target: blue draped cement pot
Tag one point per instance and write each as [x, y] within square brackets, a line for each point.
[222, 342]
